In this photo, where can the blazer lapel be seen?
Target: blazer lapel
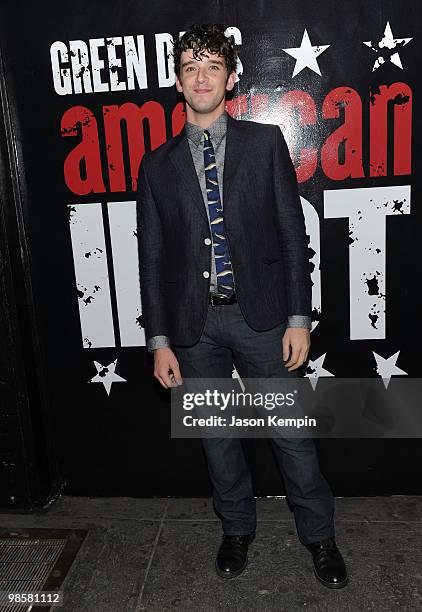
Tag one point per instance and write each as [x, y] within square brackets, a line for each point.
[182, 159]
[235, 149]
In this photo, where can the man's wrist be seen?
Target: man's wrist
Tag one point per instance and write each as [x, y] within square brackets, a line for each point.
[156, 342]
[299, 321]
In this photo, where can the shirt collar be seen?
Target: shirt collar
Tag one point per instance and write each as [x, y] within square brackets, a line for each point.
[217, 131]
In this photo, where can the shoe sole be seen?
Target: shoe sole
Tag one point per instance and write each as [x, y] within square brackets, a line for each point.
[332, 585]
[231, 574]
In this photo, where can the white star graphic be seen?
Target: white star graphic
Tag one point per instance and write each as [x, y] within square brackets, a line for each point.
[106, 375]
[317, 370]
[306, 55]
[388, 42]
[387, 368]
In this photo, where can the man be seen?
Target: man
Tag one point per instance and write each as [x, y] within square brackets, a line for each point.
[219, 288]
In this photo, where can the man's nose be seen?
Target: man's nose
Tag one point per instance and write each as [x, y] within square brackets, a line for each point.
[201, 75]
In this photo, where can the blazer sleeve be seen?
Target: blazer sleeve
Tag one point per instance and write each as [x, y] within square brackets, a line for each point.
[151, 258]
[291, 225]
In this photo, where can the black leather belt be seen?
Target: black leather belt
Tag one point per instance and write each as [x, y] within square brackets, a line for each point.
[218, 300]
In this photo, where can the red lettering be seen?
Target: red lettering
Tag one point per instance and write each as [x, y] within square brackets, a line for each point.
[400, 96]
[341, 153]
[134, 117]
[85, 158]
[348, 135]
[305, 105]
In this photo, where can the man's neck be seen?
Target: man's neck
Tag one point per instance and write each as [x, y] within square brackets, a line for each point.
[203, 120]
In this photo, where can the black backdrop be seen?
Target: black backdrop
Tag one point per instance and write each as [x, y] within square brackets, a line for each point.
[116, 441]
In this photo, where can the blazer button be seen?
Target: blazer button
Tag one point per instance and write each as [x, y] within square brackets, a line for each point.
[207, 241]
[205, 274]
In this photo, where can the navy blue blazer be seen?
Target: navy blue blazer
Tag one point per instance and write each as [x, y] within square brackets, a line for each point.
[264, 226]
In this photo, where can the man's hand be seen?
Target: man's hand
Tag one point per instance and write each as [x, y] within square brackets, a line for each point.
[166, 368]
[298, 340]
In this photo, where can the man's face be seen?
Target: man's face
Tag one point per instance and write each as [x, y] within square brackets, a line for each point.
[203, 81]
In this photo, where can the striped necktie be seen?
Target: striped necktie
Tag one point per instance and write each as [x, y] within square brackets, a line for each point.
[225, 283]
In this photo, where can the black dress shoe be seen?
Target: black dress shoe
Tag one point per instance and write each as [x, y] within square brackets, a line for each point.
[329, 566]
[232, 556]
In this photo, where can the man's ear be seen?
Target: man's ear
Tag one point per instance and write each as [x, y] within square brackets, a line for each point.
[178, 85]
[231, 81]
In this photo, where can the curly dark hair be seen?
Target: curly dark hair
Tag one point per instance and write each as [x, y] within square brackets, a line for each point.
[206, 37]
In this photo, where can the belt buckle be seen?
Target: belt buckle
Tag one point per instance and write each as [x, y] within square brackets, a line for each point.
[218, 300]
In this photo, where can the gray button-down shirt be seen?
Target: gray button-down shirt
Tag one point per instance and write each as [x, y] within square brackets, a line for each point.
[195, 134]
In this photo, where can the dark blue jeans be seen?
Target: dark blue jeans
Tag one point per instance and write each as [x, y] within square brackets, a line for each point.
[228, 339]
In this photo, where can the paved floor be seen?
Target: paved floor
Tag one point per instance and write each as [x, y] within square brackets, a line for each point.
[154, 555]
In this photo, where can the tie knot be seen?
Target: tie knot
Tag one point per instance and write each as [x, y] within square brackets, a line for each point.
[206, 134]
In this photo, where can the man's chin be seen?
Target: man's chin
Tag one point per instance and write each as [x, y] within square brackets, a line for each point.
[203, 109]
